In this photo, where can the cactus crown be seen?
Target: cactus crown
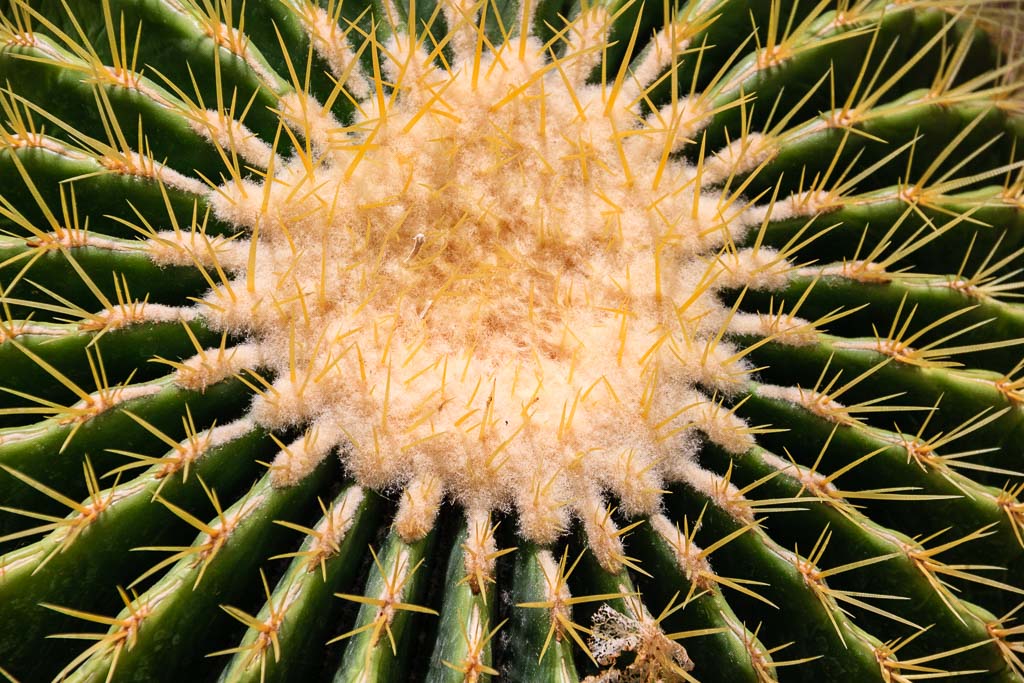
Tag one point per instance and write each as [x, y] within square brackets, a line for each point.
[495, 280]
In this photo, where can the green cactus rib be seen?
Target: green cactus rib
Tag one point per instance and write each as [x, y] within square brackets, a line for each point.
[52, 453]
[511, 340]
[54, 568]
[62, 346]
[209, 560]
[98, 193]
[931, 298]
[720, 634]
[333, 550]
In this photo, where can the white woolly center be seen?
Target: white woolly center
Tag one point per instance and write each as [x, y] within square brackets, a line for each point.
[490, 279]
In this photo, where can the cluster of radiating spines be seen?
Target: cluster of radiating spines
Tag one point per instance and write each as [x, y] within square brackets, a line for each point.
[344, 303]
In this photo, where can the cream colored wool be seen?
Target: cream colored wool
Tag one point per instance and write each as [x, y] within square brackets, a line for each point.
[496, 286]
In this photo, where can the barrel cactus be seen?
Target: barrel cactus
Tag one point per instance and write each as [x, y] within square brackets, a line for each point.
[460, 340]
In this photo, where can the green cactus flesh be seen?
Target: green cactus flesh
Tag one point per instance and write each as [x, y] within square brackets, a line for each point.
[458, 340]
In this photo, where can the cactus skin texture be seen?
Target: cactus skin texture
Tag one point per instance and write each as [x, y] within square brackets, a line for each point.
[540, 341]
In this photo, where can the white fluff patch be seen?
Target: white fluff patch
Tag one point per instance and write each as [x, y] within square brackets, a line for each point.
[495, 285]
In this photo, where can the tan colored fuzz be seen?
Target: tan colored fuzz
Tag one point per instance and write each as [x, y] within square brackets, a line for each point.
[496, 284]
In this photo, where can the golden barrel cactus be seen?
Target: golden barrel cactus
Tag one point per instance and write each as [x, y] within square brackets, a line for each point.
[464, 340]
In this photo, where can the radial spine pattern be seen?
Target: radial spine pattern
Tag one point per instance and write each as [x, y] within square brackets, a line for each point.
[527, 341]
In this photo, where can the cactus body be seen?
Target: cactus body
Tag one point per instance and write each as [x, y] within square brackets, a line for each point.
[527, 341]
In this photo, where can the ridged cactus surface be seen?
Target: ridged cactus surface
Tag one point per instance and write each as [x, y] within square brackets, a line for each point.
[539, 340]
